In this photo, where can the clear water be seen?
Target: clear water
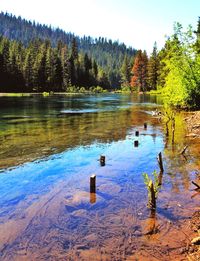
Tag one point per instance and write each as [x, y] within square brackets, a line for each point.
[49, 148]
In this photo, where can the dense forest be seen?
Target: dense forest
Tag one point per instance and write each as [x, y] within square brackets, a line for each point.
[40, 67]
[174, 71]
[35, 57]
[105, 54]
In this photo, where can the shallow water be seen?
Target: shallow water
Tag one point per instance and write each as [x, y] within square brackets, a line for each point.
[49, 148]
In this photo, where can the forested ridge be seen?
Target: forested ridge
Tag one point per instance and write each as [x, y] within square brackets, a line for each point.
[104, 56]
[35, 57]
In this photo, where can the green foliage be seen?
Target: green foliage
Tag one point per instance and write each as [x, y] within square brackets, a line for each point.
[45, 94]
[155, 181]
[126, 89]
[182, 62]
[97, 89]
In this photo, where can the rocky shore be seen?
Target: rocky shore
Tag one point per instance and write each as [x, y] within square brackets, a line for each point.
[193, 124]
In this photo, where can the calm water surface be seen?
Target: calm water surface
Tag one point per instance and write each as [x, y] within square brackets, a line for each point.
[49, 148]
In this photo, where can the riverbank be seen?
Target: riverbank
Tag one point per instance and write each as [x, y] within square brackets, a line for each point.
[193, 124]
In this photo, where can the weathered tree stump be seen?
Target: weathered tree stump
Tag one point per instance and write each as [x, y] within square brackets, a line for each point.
[136, 143]
[152, 197]
[160, 162]
[102, 160]
[93, 184]
[137, 133]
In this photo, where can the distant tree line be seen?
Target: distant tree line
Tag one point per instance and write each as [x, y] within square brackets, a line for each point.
[109, 55]
[35, 57]
[41, 67]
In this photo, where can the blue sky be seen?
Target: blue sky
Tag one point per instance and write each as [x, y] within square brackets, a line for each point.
[137, 23]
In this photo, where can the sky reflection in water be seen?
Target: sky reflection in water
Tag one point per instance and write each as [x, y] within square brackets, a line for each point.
[50, 195]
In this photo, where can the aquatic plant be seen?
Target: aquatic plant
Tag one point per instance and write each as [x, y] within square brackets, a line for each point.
[152, 186]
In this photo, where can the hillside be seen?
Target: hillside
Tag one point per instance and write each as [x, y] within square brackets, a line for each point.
[108, 55]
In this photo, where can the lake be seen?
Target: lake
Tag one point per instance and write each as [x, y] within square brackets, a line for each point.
[49, 148]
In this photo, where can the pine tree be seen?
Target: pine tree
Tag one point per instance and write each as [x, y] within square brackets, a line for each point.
[16, 77]
[40, 69]
[197, 32]
[66, 68]
[28, 70]
[153, 67]
[125, 72]
[74, 51]
[95, 69]
[139, 72]
[58, 77]
[50, 69]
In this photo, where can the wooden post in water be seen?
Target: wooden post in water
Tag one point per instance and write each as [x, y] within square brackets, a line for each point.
[102, 160]
[136, 143]
[160, 162]
[152, 199]
[137, 133]
[93, 184]
[145, 125]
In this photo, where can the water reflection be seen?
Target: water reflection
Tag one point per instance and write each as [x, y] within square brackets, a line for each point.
[47, 210]
[32, 127]
[93, 198]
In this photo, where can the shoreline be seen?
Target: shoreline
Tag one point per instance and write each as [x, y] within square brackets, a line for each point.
[193, 124]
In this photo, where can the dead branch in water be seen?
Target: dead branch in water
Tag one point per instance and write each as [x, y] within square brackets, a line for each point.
[183, 150]
[194, 183]
[160, 162]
